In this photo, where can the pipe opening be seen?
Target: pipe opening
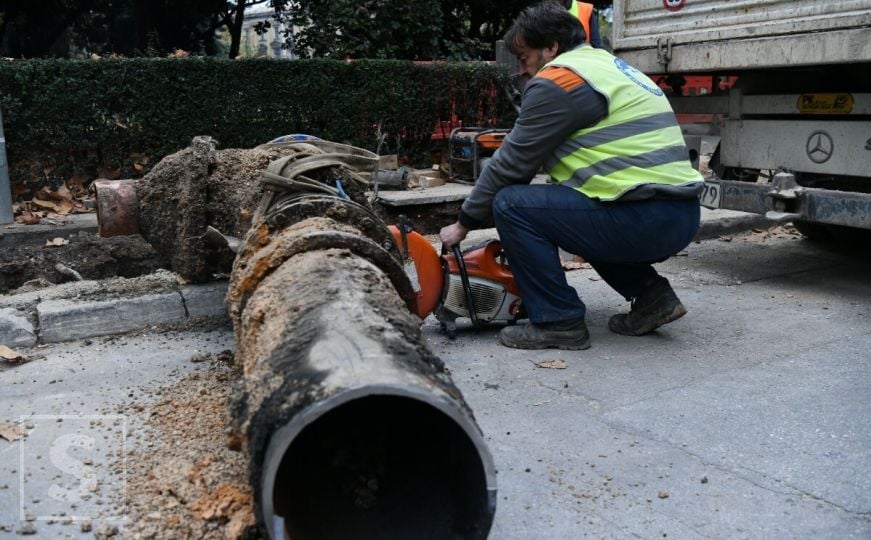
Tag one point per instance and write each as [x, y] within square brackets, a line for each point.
[382, 467]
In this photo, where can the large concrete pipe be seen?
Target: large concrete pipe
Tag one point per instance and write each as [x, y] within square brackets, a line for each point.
[354, 427]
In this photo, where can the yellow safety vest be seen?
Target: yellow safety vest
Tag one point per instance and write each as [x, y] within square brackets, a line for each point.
[639, 142]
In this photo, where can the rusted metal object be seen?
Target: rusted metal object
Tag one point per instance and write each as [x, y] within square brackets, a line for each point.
[117, 207]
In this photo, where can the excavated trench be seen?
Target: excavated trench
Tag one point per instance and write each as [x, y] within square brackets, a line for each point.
[353, 426]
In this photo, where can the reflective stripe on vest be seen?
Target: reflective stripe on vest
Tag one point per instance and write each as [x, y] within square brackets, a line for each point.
[583, 11]
[639, 142]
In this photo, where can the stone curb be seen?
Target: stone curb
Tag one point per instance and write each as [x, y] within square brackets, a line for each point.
[66, 319]
[15, 329]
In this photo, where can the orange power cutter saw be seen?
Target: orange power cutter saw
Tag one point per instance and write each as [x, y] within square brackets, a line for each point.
[475, 283]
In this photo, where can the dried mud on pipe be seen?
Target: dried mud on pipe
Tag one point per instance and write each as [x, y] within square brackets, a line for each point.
[192, 189]
[282, 321]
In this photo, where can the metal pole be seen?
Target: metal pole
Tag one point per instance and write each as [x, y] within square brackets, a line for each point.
[5, 188]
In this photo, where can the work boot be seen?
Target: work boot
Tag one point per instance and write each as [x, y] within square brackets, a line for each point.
[567, 335]
[655, 306]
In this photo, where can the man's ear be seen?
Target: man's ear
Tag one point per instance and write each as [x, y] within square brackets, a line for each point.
[552, 51]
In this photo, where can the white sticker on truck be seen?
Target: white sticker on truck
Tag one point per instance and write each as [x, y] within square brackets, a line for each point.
[712, 195]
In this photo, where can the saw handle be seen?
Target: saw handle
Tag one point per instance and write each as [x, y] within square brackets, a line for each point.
[467, 288]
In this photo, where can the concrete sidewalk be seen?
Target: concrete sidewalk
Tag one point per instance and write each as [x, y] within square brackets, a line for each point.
[96, 308]
[748, 418]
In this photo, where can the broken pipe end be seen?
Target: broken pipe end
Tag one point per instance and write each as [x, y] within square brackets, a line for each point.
[379, 459]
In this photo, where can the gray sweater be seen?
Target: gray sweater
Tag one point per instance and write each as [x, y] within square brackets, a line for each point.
[549, 114]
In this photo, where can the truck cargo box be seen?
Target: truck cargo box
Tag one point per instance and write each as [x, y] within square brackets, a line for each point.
[686, 36]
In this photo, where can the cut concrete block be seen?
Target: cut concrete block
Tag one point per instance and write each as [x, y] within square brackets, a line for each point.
[15, 329]
[62, 320]
[205, 300]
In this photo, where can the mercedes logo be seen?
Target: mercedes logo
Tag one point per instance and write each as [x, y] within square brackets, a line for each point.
[820, 147]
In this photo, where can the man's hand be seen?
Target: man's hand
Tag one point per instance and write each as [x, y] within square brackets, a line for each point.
[453, 234]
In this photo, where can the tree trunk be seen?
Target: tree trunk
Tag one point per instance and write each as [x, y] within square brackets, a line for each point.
[236, 30]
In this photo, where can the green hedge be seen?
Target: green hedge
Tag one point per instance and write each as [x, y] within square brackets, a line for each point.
[69, 116]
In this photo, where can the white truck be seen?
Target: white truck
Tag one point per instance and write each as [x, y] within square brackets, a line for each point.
[795, 140]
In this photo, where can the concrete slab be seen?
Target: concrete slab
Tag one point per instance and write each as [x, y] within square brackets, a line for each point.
[451, 192]
[62, 320]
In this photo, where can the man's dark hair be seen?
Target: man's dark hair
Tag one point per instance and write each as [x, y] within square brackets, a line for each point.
[541, 25]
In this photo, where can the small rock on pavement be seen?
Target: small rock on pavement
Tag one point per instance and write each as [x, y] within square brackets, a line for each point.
[200, 358]
[15, 330]
[27, 529]
[105, 531]
[86, 526]
[663, 494]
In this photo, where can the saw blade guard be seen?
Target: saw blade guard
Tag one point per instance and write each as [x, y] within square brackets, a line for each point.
[424, 268]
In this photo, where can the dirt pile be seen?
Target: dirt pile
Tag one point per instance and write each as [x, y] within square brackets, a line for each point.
[183, 480]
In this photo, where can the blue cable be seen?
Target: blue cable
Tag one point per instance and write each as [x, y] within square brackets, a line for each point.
[342, 193]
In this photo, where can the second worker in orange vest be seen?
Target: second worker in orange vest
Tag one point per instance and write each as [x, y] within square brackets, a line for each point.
[586, 15]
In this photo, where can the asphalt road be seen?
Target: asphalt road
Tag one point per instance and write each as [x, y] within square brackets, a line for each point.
[748, 418]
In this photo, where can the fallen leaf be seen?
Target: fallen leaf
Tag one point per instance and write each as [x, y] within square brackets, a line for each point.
[11, 432]
[552, 364]
[61, 194]
[56, 242]
[28, 218]
[13, 357]
[51, 205]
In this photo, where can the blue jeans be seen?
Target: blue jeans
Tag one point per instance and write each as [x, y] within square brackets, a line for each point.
[621, 240]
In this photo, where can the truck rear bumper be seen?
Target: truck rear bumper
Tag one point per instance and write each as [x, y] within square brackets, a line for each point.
[784, 200]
